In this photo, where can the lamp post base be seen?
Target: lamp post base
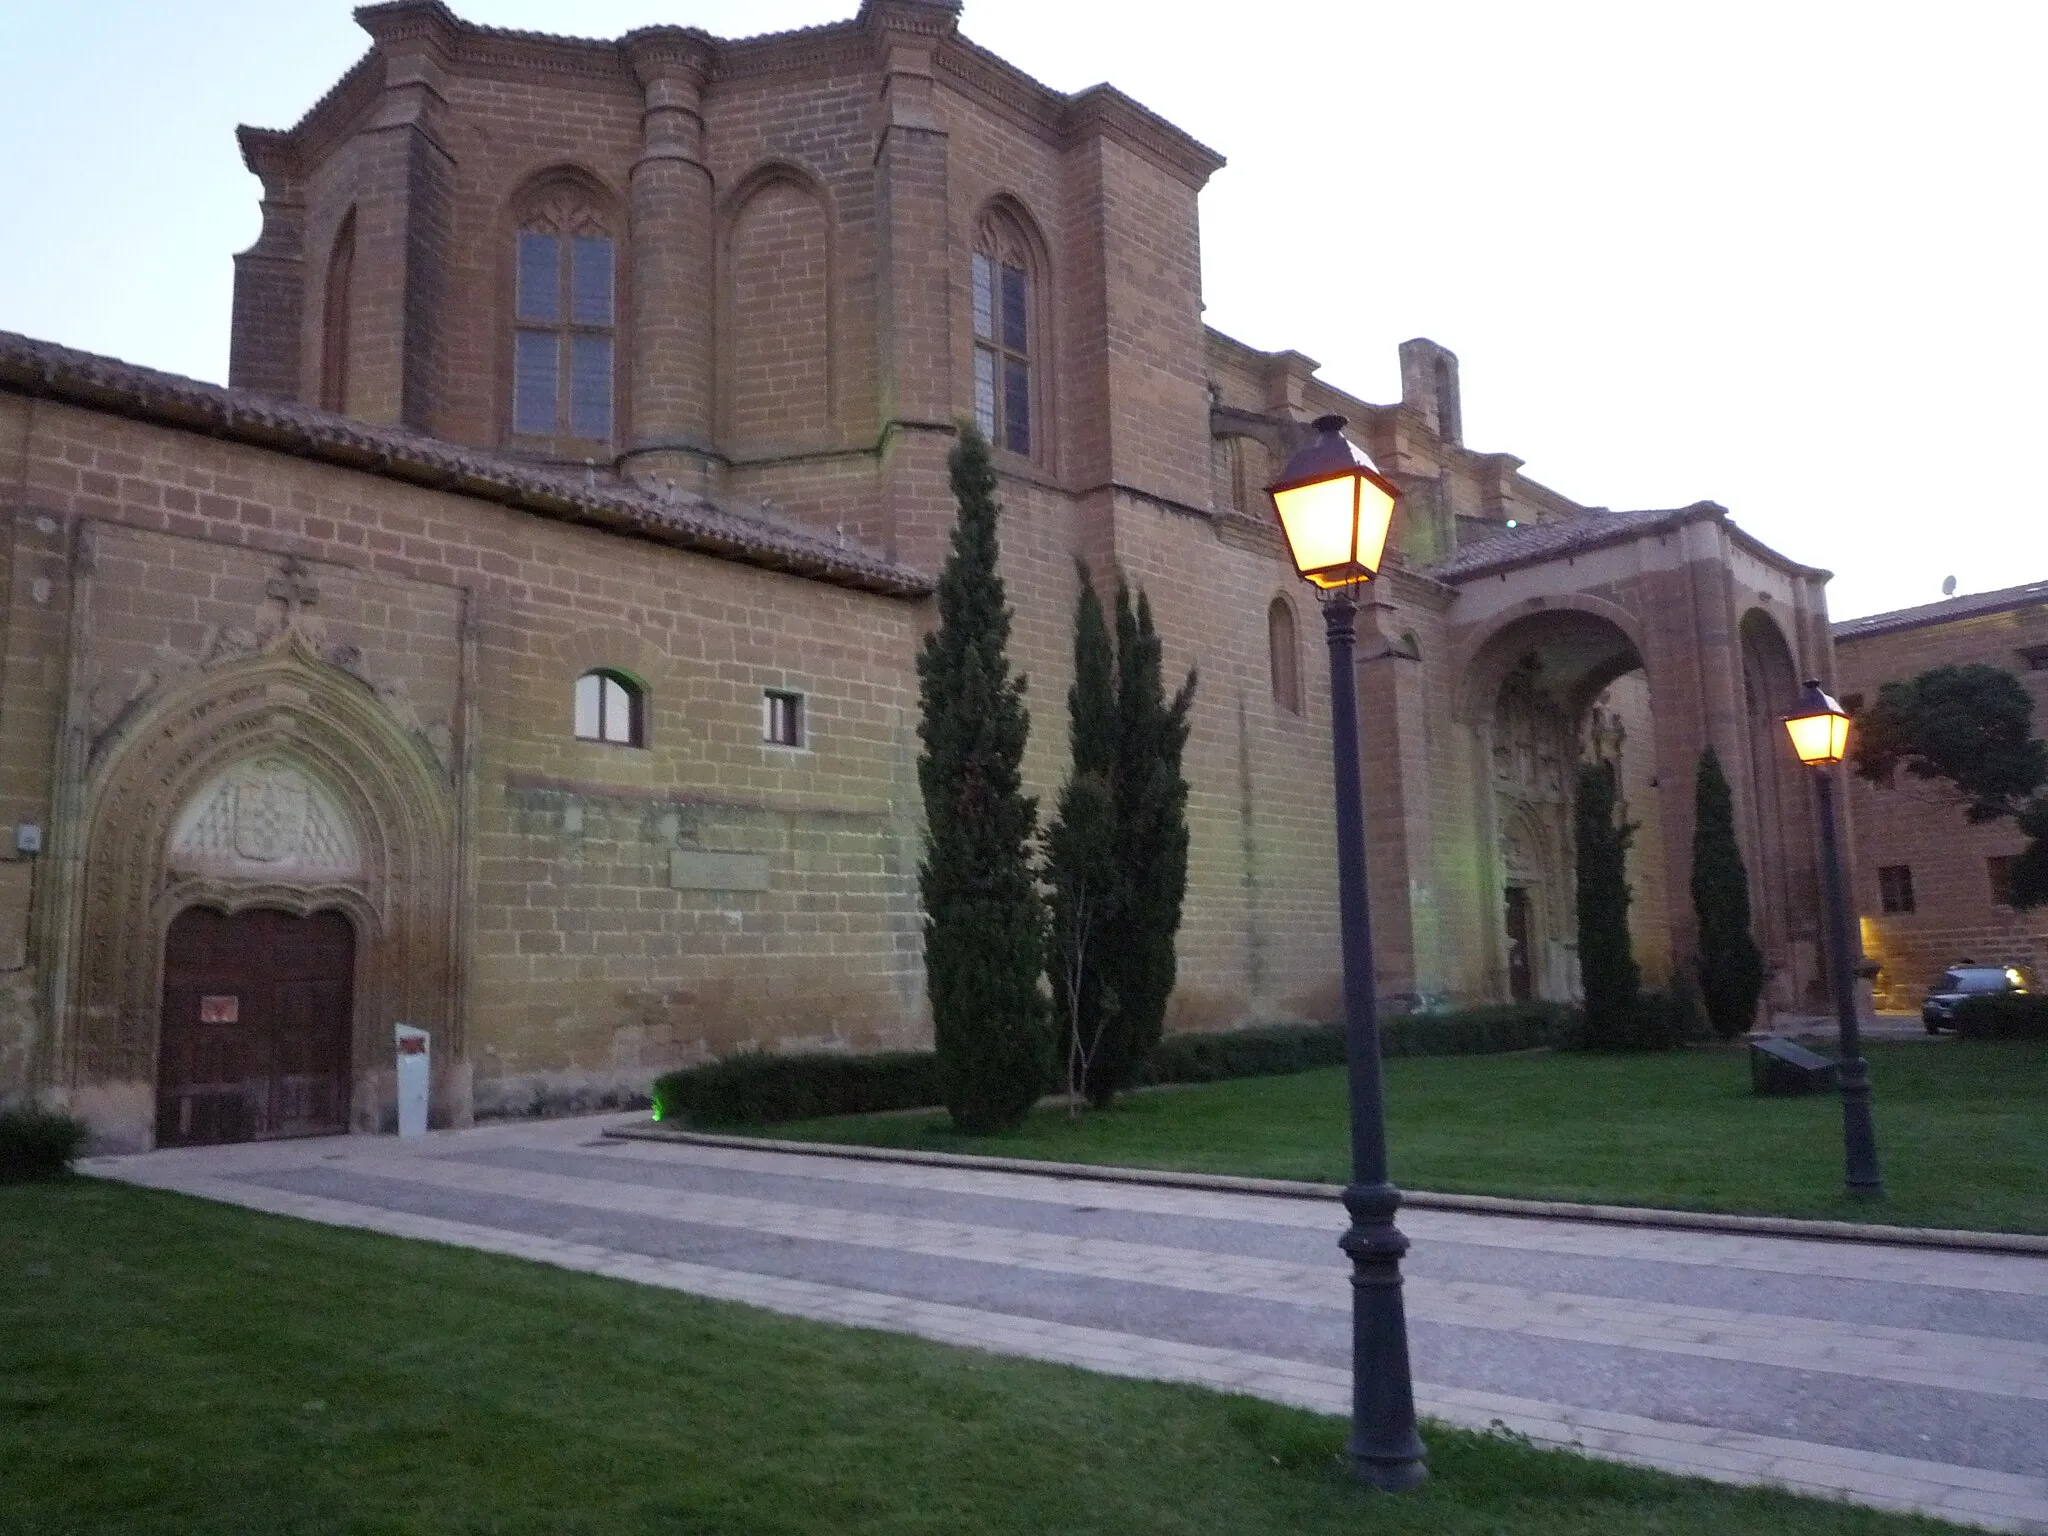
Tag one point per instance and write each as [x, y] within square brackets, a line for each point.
[1384, 1448]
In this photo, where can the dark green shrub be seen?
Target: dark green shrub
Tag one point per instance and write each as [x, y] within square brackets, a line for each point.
[1731, 967]
[1275, 1050]
[753, 1088]
[984, 923]
[2003, 1016]
[38, 1143]
[1607, 963]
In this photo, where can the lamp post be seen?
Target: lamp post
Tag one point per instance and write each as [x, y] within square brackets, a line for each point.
[1334, 508]
[1819, 729]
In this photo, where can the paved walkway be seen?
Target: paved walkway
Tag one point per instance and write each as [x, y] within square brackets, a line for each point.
[1896, 1377]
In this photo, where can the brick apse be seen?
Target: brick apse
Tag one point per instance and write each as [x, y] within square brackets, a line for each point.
[542, 596]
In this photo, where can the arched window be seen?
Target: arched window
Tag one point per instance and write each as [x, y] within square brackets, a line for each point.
[564, 306]
[611, 707]
[1286, 659]
[1004, 332]
[341, 262]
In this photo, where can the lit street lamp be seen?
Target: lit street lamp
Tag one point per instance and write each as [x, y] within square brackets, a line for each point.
[1819, 729]
[1334, 508]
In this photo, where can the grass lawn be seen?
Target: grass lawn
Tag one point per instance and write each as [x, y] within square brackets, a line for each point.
[1962, 1132]
[169, 1365]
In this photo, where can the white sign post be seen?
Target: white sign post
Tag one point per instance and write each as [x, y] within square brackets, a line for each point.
[412, 1079]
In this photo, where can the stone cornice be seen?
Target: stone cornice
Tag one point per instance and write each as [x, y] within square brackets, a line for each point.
[992, 81]
[1105, 111]
[658, 53]
[271, 154]
[43, 370]
[398, 22]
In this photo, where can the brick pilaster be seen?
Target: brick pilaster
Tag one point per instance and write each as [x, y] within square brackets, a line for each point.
[914, 284]
[671, 255]
[263, 345]
[404, 212]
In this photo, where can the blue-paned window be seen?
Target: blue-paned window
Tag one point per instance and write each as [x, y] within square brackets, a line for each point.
[564, 358]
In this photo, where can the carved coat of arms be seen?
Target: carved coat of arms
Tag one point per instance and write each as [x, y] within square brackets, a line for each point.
[270, 817]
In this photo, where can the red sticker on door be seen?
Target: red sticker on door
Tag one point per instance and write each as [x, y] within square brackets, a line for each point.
[412, 1045]
[220, 1010]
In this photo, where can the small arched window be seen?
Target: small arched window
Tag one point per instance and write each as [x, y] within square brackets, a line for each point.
[611, 707]
[1004, 330]
[334, 306]
[564, 307]
[1286, 659]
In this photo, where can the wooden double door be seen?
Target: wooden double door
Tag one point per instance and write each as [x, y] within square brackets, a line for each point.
[257, 1011]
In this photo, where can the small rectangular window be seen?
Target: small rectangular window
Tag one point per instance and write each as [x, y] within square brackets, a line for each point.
[1895, 888]
[590, 280]
[985, 391]
[590, 386]
[984, 297]
[589, 706]
[782, 719]
[534, 374]
[1016, 406]
[540, 276]
[1998, 868]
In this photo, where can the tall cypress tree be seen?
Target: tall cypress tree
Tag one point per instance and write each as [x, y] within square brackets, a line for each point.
[1151, 798]
[1731, 966]
[1085, 889]
[1607, 962]
[984, 923]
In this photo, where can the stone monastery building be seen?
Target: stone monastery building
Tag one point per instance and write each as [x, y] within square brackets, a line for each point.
[522, 646]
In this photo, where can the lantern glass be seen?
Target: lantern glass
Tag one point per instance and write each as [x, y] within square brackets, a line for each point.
[1319, 521]
[1821, 739]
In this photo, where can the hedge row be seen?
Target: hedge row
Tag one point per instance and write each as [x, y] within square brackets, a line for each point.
[754, 1088]
[2003, 1016]
[38, 1143]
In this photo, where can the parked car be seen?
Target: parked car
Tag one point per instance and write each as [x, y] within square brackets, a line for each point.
[1961, 981]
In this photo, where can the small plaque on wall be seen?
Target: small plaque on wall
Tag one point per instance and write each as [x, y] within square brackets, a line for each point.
[220, 1010]
[695, 869]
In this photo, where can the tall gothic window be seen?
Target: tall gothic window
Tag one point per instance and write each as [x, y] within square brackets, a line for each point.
[563, 362]
[334, 306]
[1003, 325]
[1285, 656]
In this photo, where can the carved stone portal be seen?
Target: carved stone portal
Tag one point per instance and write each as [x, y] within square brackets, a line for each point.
[277, 780]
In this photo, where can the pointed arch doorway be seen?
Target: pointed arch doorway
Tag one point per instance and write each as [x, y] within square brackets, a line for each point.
[257, 1013]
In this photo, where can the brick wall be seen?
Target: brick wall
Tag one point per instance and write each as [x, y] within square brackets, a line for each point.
[1920, 825]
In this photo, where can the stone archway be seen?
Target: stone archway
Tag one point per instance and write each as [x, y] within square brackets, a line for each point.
[1543, 691]
[276, 780]
[1785, 902]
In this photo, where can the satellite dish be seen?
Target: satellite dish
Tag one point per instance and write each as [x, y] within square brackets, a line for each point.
[1948, 586]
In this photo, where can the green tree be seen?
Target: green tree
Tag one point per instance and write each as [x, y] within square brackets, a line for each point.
[1085, 891]
[1971, 728]
[1151, 798]
[1731, 967]
[984, 922]
[1607, 963]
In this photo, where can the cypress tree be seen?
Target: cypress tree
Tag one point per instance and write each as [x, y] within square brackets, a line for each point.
[1081, 873]
[1151, 798]
[1731, 967]
[1607, 963]
[984, 922]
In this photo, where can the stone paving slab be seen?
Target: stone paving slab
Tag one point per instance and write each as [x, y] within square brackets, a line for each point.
[1903, 1379]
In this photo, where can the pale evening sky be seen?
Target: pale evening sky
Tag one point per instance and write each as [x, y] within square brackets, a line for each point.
[1783, 254]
